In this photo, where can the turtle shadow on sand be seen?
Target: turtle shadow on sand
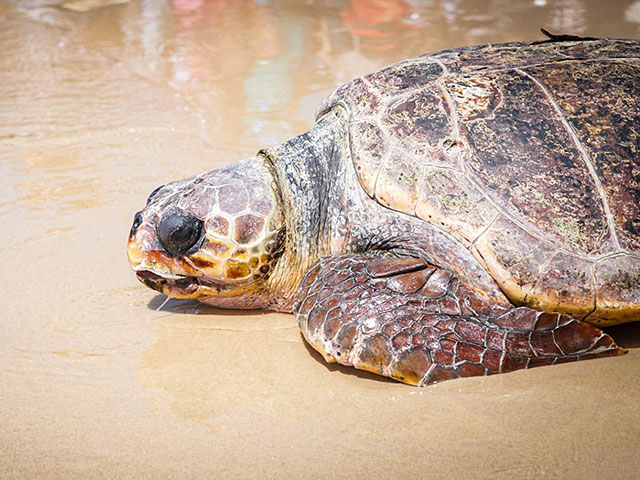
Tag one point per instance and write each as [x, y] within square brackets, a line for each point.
[626, 335]
[189, 306]
[332, 367]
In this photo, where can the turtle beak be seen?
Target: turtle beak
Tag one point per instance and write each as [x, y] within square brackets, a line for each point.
[144, 250]
[134, 253]
[140, 236]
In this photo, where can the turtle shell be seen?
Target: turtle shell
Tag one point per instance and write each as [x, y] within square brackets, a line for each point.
[529, 154]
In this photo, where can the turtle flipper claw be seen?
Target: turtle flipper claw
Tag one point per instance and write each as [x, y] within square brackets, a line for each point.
[417, 323]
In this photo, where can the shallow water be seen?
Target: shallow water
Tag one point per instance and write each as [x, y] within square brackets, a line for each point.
[101, 101]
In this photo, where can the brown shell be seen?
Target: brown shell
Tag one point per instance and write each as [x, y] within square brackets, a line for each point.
[528, 153]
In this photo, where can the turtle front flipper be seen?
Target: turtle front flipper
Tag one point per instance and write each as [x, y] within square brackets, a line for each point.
[406, 319]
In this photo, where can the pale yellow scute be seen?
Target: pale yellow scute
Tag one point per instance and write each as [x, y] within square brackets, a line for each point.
[512, 257]
[617, 281]
[565, 283]
[397, 183]
[367, 152]
[448, 199]
[533, 273]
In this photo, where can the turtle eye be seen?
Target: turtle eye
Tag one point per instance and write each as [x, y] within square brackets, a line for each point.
[179, 232]
[153, 194]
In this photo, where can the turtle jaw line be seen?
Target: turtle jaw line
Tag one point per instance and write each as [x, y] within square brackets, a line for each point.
[179, 286]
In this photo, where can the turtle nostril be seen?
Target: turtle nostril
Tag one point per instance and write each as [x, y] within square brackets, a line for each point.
[137, 221]
[178, 232]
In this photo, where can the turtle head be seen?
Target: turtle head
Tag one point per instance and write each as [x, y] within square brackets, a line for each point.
[215, 237]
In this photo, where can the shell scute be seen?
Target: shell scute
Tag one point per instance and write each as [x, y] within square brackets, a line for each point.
[367, 152]
[446, 197]
[360, 98]
[608, 128]
[529, 162]
[418, 121]
[475, 97]
[397, 183]
[406, 75]
[565, 284]
[616, 281]
[513, 256]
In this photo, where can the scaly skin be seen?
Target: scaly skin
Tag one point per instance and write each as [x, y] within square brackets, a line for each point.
[408, 320]
[242, 241]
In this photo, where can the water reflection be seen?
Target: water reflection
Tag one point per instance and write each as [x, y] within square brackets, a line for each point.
[568, 16]
[378, 24]
[632, 13]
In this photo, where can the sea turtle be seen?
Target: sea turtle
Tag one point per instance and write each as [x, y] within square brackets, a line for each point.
[467, 212]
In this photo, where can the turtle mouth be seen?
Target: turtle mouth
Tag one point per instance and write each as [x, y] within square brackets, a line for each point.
[180, 286]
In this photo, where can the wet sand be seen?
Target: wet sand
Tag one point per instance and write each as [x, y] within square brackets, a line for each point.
[100, 102]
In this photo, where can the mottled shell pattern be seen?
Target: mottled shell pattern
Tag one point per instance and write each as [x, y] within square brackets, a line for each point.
[528, 154]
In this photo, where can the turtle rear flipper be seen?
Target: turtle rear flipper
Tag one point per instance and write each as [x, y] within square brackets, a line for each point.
[417, 323]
